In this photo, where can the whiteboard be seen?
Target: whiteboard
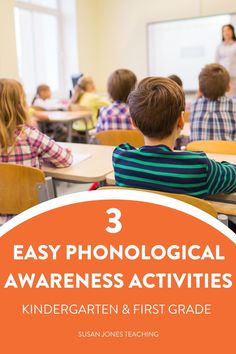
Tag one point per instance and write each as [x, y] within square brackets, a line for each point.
[184, 47]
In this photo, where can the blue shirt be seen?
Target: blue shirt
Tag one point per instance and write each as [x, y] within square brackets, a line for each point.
[213, 119]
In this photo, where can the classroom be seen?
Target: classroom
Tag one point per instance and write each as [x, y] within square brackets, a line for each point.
[118, 94]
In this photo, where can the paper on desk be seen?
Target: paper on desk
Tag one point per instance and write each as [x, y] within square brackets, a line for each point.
[77, 158]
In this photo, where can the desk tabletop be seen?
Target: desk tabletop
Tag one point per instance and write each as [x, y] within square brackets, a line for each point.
[93, 169]
[110, 178]
[224, 208]
[98, 167]
[67, 116]
[222, 157]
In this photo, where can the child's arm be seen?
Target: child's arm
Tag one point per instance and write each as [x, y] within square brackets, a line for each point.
[77, 107]
[40, 116]
[48, 150]
[221, 177]
[99, 102]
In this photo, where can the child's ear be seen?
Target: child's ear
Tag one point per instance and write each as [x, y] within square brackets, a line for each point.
[181, 120]
[199, 93]
[133, 124]
[228, 88]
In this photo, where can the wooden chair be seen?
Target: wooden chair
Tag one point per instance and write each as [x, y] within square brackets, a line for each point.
[198, 203]
[213, 146]
[116, 137]
[22, 187]
[186, 116]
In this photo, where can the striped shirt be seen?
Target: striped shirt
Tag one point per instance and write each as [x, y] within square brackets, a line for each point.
[116, 116]
[159, 168]
[213, 120]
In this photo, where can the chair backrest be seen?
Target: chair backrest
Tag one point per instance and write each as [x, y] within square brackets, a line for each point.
[116, 137]
[186, 116]
[198, 203]
[21, 187]
[213, 146]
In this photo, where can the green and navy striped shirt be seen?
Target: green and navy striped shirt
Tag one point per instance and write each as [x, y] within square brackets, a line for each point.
[159, 168]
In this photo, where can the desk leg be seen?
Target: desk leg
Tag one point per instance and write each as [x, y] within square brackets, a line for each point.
[69, 136]
[86, 129]
[54, 182]
[103, 183]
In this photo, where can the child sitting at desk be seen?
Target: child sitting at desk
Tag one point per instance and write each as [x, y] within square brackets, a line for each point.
[116, 115]
[20, 143]
[157, 110]
[43, 102]
[213, 115]
[85, 97]
[43, 99]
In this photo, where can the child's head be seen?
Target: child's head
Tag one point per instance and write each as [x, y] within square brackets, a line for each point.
[44, 92]
[13, 110]
[86, 84]
[156, 107]
[213, 81]
[176, 79]
[120, 83]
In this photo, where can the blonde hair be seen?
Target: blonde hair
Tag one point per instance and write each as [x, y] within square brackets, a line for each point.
[13, 112]
[81, 88]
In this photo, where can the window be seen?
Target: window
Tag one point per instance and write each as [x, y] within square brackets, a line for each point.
[45, 33]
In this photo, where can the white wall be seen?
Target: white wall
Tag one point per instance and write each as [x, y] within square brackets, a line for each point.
[87, 25]
[8, 59]
[113, 32]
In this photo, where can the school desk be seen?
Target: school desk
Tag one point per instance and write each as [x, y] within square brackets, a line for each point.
[224, 208]
[222, 157]
[94, 168]
[222, 203]
[68, 118]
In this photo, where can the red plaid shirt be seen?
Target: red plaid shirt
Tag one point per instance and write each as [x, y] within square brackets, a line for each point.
[32, 148]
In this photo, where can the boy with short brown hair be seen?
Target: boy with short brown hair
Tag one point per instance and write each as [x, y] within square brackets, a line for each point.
[213, 115]
[117, 116]
[157, 110]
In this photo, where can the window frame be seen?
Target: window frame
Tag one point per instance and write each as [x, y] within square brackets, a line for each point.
[56, 12]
